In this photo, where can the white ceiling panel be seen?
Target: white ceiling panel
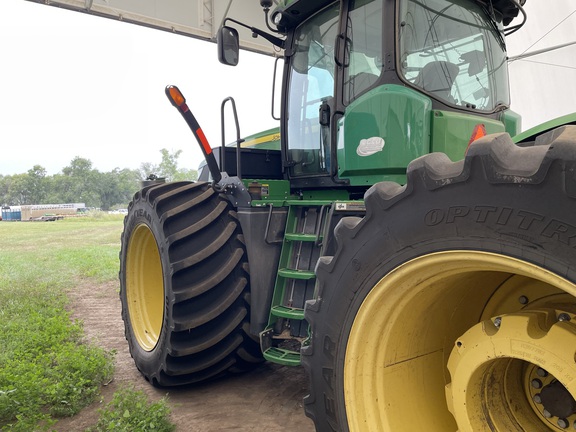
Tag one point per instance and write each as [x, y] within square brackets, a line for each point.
[195, 18]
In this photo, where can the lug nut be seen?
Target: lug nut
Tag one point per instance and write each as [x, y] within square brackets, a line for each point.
[563, 423]
[563, 317]
[536, 383]
[523, 300]
[537, 398]
[497, 322]
[546, 413]
[541, 373]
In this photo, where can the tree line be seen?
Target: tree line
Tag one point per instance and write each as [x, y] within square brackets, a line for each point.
[80, 182]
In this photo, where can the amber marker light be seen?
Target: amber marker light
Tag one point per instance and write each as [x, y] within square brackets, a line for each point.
[176, 97]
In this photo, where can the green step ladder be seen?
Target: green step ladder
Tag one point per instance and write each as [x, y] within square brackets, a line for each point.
[295, 282]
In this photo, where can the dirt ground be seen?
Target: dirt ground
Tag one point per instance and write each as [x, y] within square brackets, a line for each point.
[266, 399]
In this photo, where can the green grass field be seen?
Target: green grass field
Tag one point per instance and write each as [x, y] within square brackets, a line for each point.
[46, 371]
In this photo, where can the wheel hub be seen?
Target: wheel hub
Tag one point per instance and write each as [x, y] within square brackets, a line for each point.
[551, 400]
[557, 400]
[515, 372]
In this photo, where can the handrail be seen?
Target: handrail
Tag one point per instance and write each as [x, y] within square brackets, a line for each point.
[238, 139]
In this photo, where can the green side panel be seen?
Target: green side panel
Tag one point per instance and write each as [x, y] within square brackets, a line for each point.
[451, 131]
[265, 140]
[326, 194]
[381, 133]
[544, 127]
[512, 122]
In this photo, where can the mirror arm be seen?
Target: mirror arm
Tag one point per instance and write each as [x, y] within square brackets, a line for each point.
[270, 38]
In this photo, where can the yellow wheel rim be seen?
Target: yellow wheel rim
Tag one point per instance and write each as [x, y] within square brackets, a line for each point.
[144, 287]
[397, 376]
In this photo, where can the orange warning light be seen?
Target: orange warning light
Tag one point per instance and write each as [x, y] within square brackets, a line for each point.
[175, 96]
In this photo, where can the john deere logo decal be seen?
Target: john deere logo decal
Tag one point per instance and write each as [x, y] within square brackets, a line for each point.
[368, 147]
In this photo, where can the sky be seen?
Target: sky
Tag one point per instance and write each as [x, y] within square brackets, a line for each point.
[78, 85]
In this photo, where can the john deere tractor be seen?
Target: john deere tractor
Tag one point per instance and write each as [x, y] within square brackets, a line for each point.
[398, 238]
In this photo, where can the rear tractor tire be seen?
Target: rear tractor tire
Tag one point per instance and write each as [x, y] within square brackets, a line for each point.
[184, 285]
[451, 306]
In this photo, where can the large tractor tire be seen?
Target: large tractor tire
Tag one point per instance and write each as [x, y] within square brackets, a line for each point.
[450, 306]
[184, 285]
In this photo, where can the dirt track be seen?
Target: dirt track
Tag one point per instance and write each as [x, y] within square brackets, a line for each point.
[266, 399]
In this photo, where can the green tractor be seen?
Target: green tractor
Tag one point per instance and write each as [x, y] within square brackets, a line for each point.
[393, 238]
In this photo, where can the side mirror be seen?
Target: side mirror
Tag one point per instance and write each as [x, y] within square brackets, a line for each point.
[228, 46]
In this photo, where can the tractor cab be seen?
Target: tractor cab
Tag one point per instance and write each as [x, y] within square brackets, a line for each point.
[370, 85]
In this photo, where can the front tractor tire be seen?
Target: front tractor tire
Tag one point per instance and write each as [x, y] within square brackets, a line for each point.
[184, 285]
[451, 305]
